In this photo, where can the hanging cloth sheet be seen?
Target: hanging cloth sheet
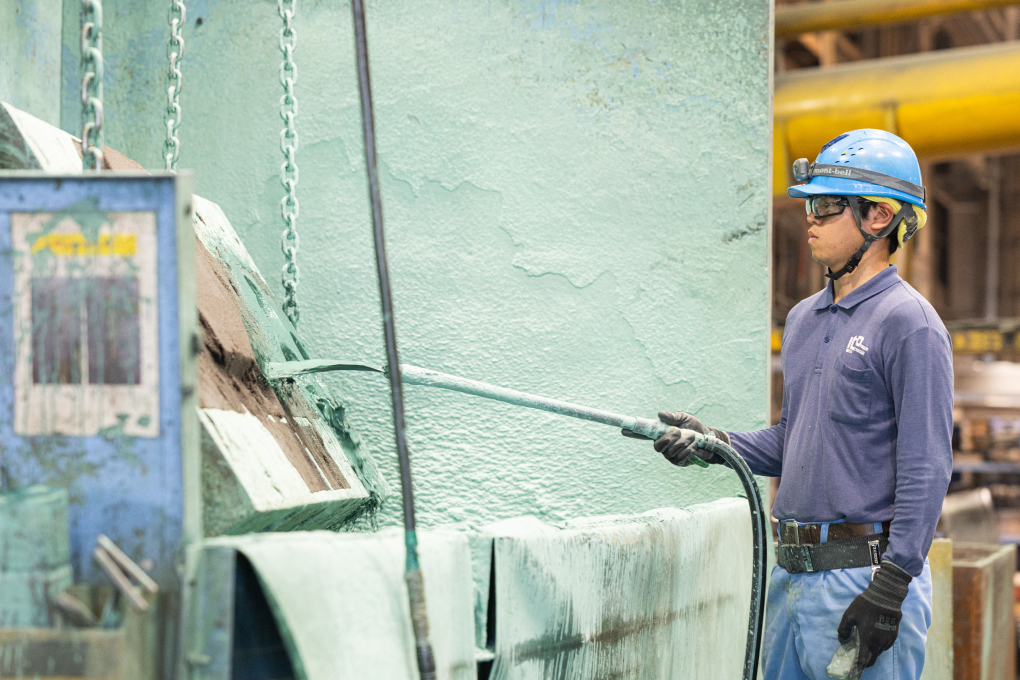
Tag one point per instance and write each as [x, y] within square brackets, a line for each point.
[340, 602]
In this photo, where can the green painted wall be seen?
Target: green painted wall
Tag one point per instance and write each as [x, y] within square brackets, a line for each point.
[576, 196]
[30, 57]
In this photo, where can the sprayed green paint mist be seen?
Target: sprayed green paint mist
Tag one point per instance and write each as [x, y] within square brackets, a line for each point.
[576, 196]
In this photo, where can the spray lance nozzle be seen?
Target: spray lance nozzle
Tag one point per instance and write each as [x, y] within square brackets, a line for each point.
[413, 375]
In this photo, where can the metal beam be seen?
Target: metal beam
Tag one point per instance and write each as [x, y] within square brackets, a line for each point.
[843, 15]
[994, 230]
[944, 104]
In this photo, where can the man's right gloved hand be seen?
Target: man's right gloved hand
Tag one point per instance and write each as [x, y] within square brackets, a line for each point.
[678, 448]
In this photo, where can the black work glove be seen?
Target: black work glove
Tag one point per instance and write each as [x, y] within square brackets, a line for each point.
[876, 613]
[676, 447]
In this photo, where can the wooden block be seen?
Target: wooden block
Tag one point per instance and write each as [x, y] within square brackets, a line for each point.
[938, 655]
[68, 653]
[129, 652]
[983, 597]
[276, 457]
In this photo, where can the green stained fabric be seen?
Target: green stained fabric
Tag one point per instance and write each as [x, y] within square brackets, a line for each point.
[331, 590]
[624, 596]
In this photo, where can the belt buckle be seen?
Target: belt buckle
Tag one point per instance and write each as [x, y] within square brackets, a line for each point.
[876, 559]
[796, 529]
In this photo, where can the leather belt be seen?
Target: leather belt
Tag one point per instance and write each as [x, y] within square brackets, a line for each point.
[847, 545]
[792, 533]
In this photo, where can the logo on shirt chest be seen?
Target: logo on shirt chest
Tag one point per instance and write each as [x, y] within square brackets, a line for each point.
[856, 344]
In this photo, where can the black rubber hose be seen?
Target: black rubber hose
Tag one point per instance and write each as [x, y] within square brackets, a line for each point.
[760, 534]
[412, 571]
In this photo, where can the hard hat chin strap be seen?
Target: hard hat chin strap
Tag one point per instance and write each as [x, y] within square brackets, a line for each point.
[906, 212]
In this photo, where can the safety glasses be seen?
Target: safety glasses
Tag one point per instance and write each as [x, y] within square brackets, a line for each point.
[826, 206]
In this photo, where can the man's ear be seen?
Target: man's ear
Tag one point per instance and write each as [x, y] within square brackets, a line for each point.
[880, 217]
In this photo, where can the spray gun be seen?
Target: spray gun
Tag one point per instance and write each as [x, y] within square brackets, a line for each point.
[650, 428]
[414, 375]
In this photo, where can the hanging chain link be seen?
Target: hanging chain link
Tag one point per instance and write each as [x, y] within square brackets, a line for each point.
[92, 85]
[174, 82]
[289, 170]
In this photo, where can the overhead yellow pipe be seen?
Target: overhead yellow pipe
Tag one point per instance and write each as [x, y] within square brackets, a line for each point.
[850, 14]
[945, 103]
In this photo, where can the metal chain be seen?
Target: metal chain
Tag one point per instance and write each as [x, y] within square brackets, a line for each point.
[174, 82]
[289, 170]
[92, 85]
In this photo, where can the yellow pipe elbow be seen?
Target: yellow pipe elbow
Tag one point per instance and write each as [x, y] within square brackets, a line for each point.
[849, 14]
[943, 104]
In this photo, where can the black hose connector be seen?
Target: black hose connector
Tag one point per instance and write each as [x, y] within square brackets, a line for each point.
[420, 625]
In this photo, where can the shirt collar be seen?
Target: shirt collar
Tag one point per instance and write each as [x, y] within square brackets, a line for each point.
[873, 286]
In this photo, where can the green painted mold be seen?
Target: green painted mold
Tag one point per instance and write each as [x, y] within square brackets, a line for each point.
[576, 196]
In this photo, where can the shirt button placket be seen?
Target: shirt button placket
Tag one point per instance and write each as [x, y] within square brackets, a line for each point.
[826, 340]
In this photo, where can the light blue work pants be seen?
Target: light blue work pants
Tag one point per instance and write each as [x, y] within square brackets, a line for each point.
[804, 611]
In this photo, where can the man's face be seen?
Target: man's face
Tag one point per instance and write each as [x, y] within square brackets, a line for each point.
[833, 239]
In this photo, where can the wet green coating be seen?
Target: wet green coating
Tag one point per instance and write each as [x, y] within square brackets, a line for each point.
[576, 200]
[291, 369]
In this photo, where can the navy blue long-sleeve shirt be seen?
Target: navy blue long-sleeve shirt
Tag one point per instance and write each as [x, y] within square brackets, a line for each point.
[867, 423]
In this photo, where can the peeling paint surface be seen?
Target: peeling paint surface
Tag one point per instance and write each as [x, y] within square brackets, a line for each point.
[660, 595]
[576, 199]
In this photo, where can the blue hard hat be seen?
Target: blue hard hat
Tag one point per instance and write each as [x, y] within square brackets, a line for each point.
[862, 163]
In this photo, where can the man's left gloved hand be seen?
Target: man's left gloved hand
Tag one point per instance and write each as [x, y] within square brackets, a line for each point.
[876, 613]
[677, 448]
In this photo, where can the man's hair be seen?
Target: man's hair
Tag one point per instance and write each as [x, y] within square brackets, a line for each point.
[893, 238]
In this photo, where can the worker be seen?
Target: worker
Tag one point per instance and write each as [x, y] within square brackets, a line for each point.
[863, 445]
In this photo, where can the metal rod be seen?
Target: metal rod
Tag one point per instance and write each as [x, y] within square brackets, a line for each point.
[851, 14]
[423, 376]
[119, 579]
[994, 229]
[127, 564]
[414, 375]
[413, 575]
